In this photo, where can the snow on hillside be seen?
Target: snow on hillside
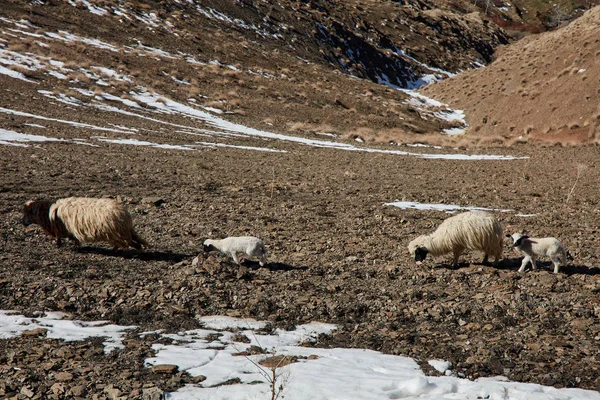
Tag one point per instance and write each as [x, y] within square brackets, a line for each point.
[217, 353]
[143, 103]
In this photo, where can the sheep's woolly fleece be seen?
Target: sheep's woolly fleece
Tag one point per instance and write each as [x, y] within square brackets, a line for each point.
[87, 220]
[472, 230]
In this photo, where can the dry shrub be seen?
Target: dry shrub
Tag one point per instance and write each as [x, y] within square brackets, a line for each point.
[395, 135]
[490, 141]
[120, 86]
[216, 104]
[80, 76]
[367, 134]
[127, 96]
[325, 128]
[516, 140]
[193, 90]
[234, 103]
[230, 72]
[298, 126]
[20, 68]
[17, 47]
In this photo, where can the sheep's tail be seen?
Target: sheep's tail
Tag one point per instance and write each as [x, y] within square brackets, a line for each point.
[136, 241]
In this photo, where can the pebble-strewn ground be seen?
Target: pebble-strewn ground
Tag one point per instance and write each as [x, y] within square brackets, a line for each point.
[337, 255]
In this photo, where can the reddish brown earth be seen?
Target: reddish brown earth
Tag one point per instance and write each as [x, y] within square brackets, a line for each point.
[337, 254]
[543, 89]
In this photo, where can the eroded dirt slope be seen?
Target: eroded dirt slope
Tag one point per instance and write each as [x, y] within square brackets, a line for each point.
[544, 88]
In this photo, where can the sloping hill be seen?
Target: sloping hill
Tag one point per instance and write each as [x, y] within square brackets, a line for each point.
[289, 67]
[543, 88]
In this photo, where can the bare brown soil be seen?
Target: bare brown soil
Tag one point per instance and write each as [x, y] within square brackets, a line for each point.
[337, 254]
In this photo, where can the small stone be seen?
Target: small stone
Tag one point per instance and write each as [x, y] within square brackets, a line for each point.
[152, 393]
[277, 361]
[27, 392]
[35, 332]
[156, 201]
[165, 368]
[198, 379]
[195, 261]
[63, 376]
[112, 392]
[57, 388]
[78, 391]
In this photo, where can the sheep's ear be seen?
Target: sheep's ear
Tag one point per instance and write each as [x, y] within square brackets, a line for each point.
[208, 248]
[421, 253]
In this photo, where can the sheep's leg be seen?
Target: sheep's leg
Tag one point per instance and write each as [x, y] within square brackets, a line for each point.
[457, 254]
[234, 256]
[557, 263]
[533, 262]
[524, 263]
[485, 258]
[497, 259]
[58, 242]
[263, 260]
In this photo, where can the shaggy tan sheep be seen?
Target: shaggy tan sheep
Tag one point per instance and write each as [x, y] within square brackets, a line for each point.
[472, 230]
[84, 220]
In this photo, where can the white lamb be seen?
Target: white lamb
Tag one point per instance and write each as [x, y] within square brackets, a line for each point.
[250, 245]
[531, 248]
[472, 230]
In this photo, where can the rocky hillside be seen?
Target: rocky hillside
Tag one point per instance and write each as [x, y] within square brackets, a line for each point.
[288, 66]
[284, 66]
[541, 89]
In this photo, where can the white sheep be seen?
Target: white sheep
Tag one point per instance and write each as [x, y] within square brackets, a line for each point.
[532, 248]
[250, 245]
[472, 230]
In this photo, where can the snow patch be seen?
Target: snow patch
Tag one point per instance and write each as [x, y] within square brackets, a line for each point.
[14, 74]
[449, 208]
[13, 325]
[12, 138]
[135, 142]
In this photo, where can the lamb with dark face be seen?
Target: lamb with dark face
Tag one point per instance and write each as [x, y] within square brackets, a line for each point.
[532, 248]
[249, 245]
[208, 247]
[473, 230]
